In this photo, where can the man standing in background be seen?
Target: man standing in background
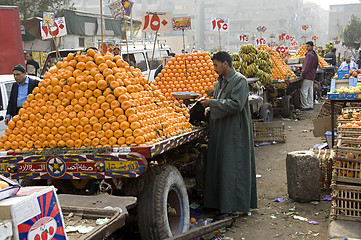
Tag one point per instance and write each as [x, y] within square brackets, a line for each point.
[309, 69]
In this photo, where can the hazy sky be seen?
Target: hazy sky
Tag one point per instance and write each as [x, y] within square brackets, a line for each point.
[326, 3]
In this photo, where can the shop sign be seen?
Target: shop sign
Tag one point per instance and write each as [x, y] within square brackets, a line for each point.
[181, 23]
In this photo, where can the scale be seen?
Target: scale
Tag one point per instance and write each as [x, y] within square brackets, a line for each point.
[187, 97]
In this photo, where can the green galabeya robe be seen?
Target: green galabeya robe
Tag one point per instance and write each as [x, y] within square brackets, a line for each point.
[230, 178]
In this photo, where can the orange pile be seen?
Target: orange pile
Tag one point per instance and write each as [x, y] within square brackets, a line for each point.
[321, 62]
[90, 100]
[280, 69]
[302, 51]
[193, 74]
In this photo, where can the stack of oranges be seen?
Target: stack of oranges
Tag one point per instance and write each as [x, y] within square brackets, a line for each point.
[321, 61]
[194, 73]
[91, 100]
[280, 69]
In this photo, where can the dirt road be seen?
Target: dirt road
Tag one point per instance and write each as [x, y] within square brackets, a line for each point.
[274, 220]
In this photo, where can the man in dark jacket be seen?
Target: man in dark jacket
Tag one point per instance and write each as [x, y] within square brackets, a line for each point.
[309, 68]
[23, 86]
[331, 55]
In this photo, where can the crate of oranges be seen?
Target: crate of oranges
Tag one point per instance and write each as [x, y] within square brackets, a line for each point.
[90, 100]
[347, 160]
[350, 129]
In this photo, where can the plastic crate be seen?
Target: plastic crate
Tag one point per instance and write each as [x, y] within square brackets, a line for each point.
[341, 74]
[269, 132]
[346, 202]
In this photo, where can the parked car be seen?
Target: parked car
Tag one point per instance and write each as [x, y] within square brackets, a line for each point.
[6, 81]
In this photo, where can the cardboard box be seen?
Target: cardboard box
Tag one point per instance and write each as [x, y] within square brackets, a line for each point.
[321, 126]
[35, 213]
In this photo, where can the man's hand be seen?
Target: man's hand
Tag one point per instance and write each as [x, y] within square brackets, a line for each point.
[205, 102]
[6, 121]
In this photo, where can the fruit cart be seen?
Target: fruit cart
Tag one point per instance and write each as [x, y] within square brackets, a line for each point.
[284, 95]
[149, 173]
[260, 109]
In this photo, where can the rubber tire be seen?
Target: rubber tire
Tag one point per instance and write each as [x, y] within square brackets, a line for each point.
[286, 106]
[296, 100]
[153, 220]
[266, 112]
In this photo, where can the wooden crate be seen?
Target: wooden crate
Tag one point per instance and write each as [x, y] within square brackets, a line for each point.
[347, 160]
[352, 132]
[325, 157]
[346, 202]
[269, 132]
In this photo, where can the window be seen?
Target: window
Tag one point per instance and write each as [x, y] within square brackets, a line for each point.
[81, 42]
[157, 59]
[137, 60]
[8, 88]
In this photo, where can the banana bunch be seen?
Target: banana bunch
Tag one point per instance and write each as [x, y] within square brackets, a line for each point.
[265, 66]
[248, 48]
[248, 57]
[236, 61]
[250, 71]
[329, 47]
[263, 55]
[264, 77]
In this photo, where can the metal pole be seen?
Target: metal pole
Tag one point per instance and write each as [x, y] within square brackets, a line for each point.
[131, 25]
[219, 37]
[185, 55]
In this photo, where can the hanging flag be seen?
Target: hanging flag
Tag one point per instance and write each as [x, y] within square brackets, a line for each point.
[116, 8]
[127, 6]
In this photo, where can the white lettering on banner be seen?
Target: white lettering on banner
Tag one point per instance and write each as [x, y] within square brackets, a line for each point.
[156, 21]
[220, 24]
[58, 30]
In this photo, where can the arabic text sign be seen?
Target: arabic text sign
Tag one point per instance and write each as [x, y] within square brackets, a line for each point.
[58, 30]
[261, 41]
[48, 19]
[116, 8]
[156, 21]
[127, 7]
[220, 24]
[181, 23]
[243, 38]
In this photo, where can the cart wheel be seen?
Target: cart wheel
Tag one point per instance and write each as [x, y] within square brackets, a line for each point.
[266, 112]
[296, 100]
[286, 106]
[163, 206]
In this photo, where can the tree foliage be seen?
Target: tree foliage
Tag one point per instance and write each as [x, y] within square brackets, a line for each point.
[352, 31]
[35, 8]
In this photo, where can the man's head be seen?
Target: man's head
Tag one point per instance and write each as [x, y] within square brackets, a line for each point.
[222, 62]
[333, 50]
[19, 74]
[309, 45]
[29, 56]
[348, 60]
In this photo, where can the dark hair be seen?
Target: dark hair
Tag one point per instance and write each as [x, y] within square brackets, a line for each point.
[223, 57]
[30, 54]
[310, 43]
[333, 50]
